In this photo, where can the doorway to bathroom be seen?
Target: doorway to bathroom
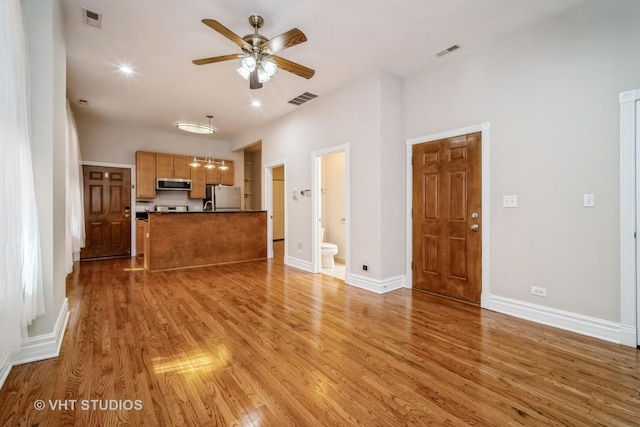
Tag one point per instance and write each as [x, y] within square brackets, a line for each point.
[274, 203]
[330, 240]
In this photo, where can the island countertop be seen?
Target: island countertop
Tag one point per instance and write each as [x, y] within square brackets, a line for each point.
[198, 238]
[208, 211]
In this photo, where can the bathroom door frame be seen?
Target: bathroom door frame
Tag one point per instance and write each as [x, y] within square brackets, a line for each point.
[316, 205]
[268, 205]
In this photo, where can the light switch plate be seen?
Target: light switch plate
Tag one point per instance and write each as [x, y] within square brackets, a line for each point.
[588, 200]
[510, 201]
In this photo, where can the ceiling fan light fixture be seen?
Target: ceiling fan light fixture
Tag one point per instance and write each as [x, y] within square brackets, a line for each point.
[263, 76]
[269, 66]
[244, 73]
[249, 63]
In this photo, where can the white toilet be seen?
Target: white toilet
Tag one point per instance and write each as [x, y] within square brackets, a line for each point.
[327, 251]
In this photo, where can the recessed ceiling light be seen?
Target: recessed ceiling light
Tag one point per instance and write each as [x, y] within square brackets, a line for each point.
[126, 69]
[195, 128]
[256, 103]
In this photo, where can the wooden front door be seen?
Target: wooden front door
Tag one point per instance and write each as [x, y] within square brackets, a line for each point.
[107, 203]
[447, 217]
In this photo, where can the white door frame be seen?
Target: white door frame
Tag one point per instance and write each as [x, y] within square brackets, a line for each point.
[267, 184]
[484, 128]
[629, 217]
[316, 192]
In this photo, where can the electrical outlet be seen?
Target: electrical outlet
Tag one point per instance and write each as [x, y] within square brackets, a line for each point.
[541, 292]
[365, 267]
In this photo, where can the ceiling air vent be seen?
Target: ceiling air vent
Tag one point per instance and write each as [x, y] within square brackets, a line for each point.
[91, 18]
[301, 99]
[450, 49]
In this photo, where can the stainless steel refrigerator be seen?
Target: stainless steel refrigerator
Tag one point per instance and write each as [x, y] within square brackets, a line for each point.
[224, 197]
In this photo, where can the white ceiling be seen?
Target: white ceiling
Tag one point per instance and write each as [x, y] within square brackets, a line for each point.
[346, 39]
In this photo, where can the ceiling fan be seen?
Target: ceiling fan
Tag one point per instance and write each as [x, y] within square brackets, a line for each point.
[259, 61]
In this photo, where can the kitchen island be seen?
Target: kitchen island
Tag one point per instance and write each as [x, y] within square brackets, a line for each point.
[193, 239]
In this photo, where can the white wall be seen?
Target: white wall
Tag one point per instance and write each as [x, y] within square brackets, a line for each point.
[392, 177]
[352, 115]
[551, 95]
[47, 51]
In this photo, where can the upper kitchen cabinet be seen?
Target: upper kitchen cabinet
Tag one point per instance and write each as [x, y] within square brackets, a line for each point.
[198, 187]
[216, 176]
[172, 166]
[145, 175]
[227, 176]
[181, 168]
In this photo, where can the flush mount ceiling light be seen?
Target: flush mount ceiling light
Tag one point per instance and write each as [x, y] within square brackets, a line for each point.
[196, 127]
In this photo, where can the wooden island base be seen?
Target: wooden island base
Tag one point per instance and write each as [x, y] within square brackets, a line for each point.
[181, 240]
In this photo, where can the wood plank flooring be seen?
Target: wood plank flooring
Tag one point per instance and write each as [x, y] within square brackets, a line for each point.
[261, 344]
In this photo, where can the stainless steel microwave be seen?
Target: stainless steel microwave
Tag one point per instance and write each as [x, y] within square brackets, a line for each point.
[173, 184]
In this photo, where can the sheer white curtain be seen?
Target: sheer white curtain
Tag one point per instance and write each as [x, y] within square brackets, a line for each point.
[21, 297]
[75, 188]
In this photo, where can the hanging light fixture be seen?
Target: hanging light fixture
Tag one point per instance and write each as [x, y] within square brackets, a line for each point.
[210, 164]
[196, 127]
[194, 163]
[223, 167]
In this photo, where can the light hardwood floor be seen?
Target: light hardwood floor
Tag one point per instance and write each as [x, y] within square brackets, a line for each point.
[260, 344]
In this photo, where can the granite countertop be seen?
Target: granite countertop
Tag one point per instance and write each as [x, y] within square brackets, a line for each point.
[209, 211]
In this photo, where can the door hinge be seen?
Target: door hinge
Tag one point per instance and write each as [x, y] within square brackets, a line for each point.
[635, 234]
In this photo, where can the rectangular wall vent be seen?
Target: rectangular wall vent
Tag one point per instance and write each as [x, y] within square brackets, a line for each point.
[448, 50]
[301, 99]
[91, 18]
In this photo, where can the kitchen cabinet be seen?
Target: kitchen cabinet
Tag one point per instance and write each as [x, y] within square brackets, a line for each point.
[227, 176]
[198, 186]
[172, 166]
[181, 168]
[145, 175]
[204, 238]
[141, 226]
[216, 176]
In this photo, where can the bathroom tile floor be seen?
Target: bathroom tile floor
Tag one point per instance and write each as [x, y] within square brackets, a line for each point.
[338, 271]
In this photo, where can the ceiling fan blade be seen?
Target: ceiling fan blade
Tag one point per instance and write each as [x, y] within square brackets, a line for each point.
[283, 41]
[294, 67]
[215, 25]
[254, 83]
[218, 58]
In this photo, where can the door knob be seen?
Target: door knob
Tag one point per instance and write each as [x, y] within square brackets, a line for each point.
[474, 227]
[126, 215]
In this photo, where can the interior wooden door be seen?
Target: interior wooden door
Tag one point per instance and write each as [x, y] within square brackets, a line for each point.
[278, 203]
[107, 202]
[447, 217]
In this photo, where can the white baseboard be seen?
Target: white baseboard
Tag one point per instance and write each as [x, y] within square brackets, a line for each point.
[5, 367]
[45, 346]
[377, 286]
[585, 325]
[629, 336]
[299, 264]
